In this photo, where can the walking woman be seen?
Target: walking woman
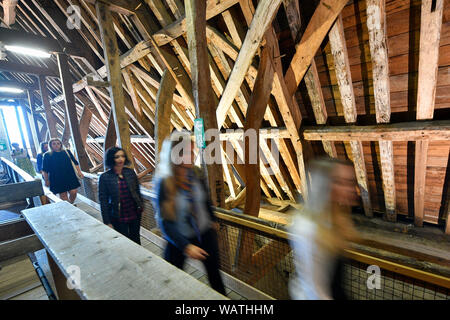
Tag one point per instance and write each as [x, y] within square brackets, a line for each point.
[183, 209]
[321, 231]
[22, 159]
[40, 156]
[58, 169]
[119, 194]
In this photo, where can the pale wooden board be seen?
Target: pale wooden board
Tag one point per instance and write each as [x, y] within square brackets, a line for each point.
[33, 294]
[16, 276]
[112, 266]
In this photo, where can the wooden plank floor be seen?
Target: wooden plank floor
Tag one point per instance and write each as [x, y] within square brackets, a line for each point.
[18, 277]
[19, 281]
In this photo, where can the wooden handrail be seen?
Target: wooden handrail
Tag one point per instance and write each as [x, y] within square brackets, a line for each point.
[428, 277]
[25, 176]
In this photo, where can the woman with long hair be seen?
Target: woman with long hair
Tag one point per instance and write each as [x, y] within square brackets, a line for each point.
[321, 231]
[183, 208]
[119, 194]
[58, 169]
[22, 159]
[40, 156]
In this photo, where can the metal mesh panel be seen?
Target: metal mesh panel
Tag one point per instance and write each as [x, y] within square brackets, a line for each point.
[394, 286]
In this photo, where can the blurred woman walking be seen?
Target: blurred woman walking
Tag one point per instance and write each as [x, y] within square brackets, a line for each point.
[61, 171]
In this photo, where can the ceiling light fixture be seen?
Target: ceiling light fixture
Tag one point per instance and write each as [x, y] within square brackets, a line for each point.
[10, 90]
[28, 51]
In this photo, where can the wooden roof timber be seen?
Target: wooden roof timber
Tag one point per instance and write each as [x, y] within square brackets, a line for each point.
[231, 49]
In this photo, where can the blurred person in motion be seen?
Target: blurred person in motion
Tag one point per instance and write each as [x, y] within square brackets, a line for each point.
[183, 208]
[119, 193]
[58, 169]
[40, 156]
[22, 159]
[321, 231]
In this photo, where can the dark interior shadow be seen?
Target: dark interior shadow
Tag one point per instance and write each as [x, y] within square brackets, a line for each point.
[377, 177]
[445, 203]
[410, 165]
[364, 71]
[413, 56]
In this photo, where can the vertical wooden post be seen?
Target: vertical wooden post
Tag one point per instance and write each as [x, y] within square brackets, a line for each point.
[430, 35]
[20, 128]
[71, 110]
[51, 122]
[34, 124]
[112, 61]
[201, 85]
[376, 24]
[253, 121]
[29, 132]
[343, 74]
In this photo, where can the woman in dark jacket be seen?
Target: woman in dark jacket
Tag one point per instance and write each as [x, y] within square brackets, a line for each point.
[119, 194]
[59, 172]
[183, 210]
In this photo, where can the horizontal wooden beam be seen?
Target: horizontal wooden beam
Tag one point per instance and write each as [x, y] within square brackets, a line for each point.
[20, 85]
[19, 247]
[23, 68]
[13, 229]
[24, 39]
[266, 133]
[20, 191]
[407, 131]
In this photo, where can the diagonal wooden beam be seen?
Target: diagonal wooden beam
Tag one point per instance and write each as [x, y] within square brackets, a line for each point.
[51, 121]
[253, 121]
[163, 58]
[312, 80]
[163, 106]
[178, 28]
[264, 14]
[71, 111]
[430, 34]
[318, 27]
[28, 69]
[125, 7]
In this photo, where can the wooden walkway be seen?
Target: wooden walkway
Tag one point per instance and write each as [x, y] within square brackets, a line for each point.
[155, 248]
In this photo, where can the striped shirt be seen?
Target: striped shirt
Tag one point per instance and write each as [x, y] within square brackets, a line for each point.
[128, 210]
